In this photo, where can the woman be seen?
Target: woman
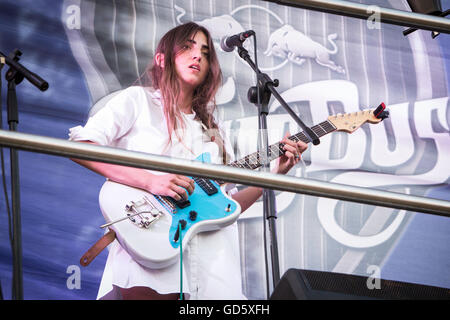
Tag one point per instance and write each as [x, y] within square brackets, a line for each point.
[172, 114]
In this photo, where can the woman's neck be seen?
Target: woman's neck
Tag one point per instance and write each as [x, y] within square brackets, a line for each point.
[185, 102]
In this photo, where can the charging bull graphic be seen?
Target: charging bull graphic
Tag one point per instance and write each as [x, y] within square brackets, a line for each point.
[286, 42]
[222, 26]
[291, 44]
[219, 27]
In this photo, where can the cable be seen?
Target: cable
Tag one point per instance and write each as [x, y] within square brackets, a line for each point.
[2, 63]
[181, 261]
[5, 190]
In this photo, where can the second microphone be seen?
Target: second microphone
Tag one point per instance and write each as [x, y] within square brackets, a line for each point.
[229, 43]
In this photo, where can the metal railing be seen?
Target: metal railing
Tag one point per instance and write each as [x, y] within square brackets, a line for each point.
[363, 11]
[70, 149]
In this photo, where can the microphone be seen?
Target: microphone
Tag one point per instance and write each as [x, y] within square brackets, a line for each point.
[229, 43]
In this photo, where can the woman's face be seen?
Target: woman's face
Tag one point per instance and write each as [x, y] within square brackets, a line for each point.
[191, 63]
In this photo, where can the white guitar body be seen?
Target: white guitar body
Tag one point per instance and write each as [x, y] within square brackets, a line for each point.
[150, 238]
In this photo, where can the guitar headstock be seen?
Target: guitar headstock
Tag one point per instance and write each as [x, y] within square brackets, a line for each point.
[349, 122]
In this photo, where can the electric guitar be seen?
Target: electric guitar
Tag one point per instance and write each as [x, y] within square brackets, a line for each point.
[151, 228]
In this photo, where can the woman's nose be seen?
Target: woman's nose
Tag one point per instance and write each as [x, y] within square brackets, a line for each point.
[197, 55]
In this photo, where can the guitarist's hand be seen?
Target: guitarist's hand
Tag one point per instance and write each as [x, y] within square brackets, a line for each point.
[291, 157]
[171, 185]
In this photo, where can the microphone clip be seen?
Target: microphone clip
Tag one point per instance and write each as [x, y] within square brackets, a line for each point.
[12, 73]
[252, 93]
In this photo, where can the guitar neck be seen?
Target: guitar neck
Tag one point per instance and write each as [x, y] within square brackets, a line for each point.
[254, 160]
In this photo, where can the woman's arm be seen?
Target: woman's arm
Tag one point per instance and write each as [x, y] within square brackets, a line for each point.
[247, 197]
[290, 158]
[166, 184]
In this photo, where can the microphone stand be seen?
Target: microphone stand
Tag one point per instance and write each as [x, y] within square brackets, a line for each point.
[14, 76]
[260, 95]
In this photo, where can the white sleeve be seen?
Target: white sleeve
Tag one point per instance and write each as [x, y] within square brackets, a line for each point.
[230, 188]
[113, 121]
[226, 141]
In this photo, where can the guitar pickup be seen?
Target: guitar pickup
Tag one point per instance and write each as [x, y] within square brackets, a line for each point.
[206, 185]
[183, 203]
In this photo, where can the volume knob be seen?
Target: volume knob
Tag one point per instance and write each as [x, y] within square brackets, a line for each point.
[192, 215]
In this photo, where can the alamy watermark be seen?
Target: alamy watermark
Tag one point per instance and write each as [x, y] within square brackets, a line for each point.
[74, 280]
[73, 20]
[373, 21]
[374, 280]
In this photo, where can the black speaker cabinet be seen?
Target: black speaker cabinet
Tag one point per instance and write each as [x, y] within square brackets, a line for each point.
[432, 7]
[297, 284]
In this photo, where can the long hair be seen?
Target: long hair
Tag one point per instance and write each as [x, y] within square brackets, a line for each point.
[166, 80]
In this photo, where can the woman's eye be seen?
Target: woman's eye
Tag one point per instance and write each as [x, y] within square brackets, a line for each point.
[186, 47]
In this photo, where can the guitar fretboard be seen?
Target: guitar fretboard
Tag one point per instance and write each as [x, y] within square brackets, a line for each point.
[254, 160]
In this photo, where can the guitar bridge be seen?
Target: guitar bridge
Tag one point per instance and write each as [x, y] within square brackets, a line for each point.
[166, 203]
[142, 213]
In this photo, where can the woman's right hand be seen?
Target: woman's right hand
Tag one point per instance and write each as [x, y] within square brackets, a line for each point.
[172, 185]
[165, 185]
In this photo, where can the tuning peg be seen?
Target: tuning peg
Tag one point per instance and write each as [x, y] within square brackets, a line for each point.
[379, 110]
[383, 115]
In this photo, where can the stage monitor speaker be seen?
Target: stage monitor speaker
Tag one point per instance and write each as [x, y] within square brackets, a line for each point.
[297, 284]
[432, 7]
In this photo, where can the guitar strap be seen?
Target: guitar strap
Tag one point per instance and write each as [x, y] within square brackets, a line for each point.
[98, 247]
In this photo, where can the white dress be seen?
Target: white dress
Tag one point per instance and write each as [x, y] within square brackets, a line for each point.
[134, 120]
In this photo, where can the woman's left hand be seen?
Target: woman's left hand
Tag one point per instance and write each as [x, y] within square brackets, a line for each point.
[293, 152]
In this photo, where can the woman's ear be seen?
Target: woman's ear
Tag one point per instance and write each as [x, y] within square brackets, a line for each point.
[159, 58]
